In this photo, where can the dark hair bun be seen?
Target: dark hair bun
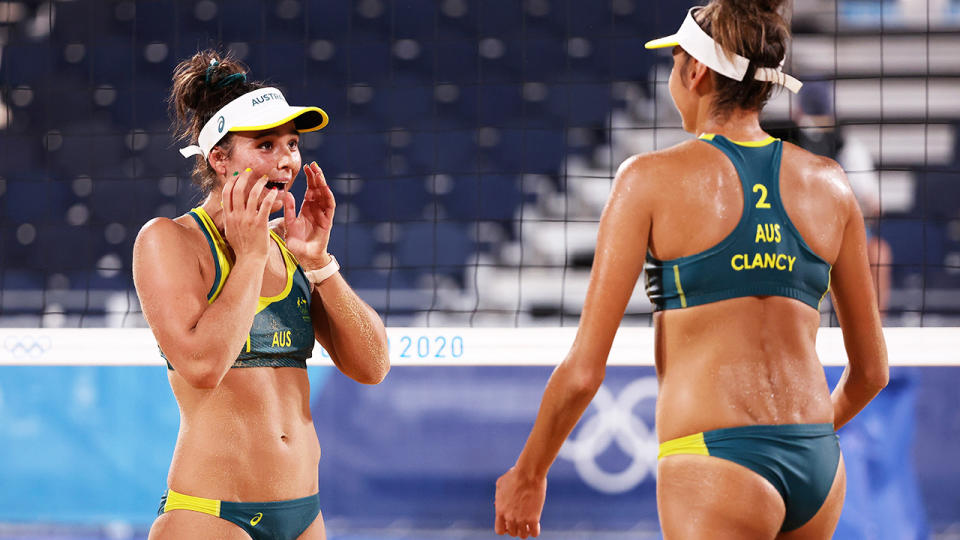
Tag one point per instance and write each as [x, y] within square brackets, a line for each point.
[199, 87]
[754, 29]
[202, 84]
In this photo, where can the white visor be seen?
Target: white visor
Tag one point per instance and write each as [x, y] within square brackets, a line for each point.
[701, 46]
[261, 109]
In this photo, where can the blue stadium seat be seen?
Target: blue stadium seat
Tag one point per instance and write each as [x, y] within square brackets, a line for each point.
[284, 62]
[28, 63]
[365, 61]
[64, 248]
[409, 105]
[34, 198]
[96, 154]
[154, 21]
[353, 244]
[441, 248]
[362, 153]
[124, 200]
[19, 153]
[915, 245]
[483, 197]
[81, 21]
[447, 151]
[414, 19]
[501, 105]
[581, 104]
[529, 150]
[111, 61]
[18, 275]
[392, 199]
[457, 62]
[328, 19]
[541, 59]
[500, 18]
[587, 18]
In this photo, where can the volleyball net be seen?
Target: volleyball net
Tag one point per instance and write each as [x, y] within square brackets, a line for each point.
[471, 145]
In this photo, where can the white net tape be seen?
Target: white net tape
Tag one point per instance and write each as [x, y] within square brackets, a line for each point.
[447, 347]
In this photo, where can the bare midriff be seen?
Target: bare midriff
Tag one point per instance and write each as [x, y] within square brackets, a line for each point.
[249, 439]
[737, 362]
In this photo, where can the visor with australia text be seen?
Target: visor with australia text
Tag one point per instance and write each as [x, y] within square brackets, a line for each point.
[258, 110]
[698, 44]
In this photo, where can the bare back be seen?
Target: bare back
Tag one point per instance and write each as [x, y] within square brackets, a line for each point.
[747, 360]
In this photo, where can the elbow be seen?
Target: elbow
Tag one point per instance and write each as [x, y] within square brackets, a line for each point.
[200, 377]
[198, 370]
[879, 379]
[376, 371]
[584, 380]
[203, 381]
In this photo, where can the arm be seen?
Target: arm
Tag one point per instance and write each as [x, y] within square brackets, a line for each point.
[350, 330]
[346, 327]
[619, 258]
[202, 340]
[856, 304]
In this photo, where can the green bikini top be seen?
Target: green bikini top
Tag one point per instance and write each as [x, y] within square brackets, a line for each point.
[764, 255]
[282, 331]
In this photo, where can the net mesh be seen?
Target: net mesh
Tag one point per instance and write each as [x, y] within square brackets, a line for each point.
[471, 145]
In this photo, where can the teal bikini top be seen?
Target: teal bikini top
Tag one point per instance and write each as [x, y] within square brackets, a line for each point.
[282, 331]
[764, 255]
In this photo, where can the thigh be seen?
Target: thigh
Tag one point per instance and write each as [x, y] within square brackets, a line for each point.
[708, 497]
[316, 530]
[822, 525]
[189, 525]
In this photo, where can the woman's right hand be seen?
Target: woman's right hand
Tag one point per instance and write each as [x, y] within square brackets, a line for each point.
[245, 217]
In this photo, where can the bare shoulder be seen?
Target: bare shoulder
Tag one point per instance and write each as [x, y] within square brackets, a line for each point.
[163, 230]
[653, 170]
[822, 173]
[166, 241]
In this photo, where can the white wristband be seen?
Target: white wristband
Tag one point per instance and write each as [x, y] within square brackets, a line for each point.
[317, 276]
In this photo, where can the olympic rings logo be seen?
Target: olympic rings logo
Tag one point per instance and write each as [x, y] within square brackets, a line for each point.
[27, 346]
[615, 423]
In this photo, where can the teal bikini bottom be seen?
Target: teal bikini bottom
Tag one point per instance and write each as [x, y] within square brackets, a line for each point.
[277, 520]
[800, 460]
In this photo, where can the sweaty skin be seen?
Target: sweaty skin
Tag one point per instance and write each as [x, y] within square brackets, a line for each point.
[735, 362]
[247, 434]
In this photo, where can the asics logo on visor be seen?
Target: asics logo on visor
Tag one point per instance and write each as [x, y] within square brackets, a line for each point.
[220, 125]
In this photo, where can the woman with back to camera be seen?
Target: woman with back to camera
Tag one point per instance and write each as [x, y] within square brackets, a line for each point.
[745, 419]
[235, 303]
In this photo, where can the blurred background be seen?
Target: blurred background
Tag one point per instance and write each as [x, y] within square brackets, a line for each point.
[471, 148]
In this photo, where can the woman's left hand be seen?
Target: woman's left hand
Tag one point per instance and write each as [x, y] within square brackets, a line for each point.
[308, 234]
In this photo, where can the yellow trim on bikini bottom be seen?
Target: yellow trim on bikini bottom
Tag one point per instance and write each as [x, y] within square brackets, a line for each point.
[691, 444]
[179, 501]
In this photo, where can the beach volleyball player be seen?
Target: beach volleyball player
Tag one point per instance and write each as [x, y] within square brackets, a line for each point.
[236, 302]
[741, 236]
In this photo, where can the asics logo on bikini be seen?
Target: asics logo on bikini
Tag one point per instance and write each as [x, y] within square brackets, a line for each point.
[256, 518]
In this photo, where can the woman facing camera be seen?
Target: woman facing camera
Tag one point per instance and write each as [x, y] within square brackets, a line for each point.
[236, 303]
[741, 236]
